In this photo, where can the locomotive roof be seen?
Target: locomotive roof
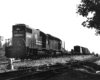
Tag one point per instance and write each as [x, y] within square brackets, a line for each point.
[42, 32]
[27, 27]
[81, 46]
[77, 46]
[19, 25]
[52, 37]
[22, 25]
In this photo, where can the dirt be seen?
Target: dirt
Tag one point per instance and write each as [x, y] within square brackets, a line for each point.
[75, 75]
[51, 61]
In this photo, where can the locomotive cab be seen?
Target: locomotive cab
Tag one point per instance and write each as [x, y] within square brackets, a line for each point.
[18, 42]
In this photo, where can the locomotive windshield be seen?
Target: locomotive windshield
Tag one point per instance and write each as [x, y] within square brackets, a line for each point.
[15, 35]
[19, 35]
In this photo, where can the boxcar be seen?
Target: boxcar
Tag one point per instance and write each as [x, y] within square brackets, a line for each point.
[77, 50]
[81, 50]
[85, 51]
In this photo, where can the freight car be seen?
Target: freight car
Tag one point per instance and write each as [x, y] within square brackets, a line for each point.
[32, 43]
[77, 50]
[80, 50]
[85, 51]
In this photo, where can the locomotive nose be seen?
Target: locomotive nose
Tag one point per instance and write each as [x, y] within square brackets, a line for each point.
[18, 52]
[15, 52]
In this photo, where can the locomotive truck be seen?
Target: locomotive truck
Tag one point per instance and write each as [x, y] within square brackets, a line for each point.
[32, 43]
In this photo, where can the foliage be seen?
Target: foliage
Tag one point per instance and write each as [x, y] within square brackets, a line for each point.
[90, 6]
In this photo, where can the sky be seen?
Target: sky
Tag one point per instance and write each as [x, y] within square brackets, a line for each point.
[55, 17]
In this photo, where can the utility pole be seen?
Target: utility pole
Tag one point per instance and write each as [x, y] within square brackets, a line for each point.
[64, 45]
[1, 39]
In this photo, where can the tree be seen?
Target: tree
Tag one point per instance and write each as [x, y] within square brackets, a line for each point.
[85, 8]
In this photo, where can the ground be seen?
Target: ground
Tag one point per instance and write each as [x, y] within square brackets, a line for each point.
[75, 75]
[70, 74]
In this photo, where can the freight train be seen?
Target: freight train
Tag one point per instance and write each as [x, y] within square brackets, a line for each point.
[28, 43]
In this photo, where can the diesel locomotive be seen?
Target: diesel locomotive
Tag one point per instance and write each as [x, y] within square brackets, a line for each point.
[32, 43]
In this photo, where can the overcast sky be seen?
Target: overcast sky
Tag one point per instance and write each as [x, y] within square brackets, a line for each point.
[56, 17]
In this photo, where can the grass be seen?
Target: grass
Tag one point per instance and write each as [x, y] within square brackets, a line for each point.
[2, 57]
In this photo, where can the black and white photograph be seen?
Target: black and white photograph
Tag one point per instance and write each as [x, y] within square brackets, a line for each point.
[49, 39]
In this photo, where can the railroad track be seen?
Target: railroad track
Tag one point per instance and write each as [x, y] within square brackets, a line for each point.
[23, 73]
[46, 74]
[42, 72]
[10, 74]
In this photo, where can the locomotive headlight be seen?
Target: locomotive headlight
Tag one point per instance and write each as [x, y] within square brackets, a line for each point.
[17, 28]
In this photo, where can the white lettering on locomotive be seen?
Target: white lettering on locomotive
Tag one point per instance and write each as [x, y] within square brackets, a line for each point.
[38, 42]
[18, 35]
